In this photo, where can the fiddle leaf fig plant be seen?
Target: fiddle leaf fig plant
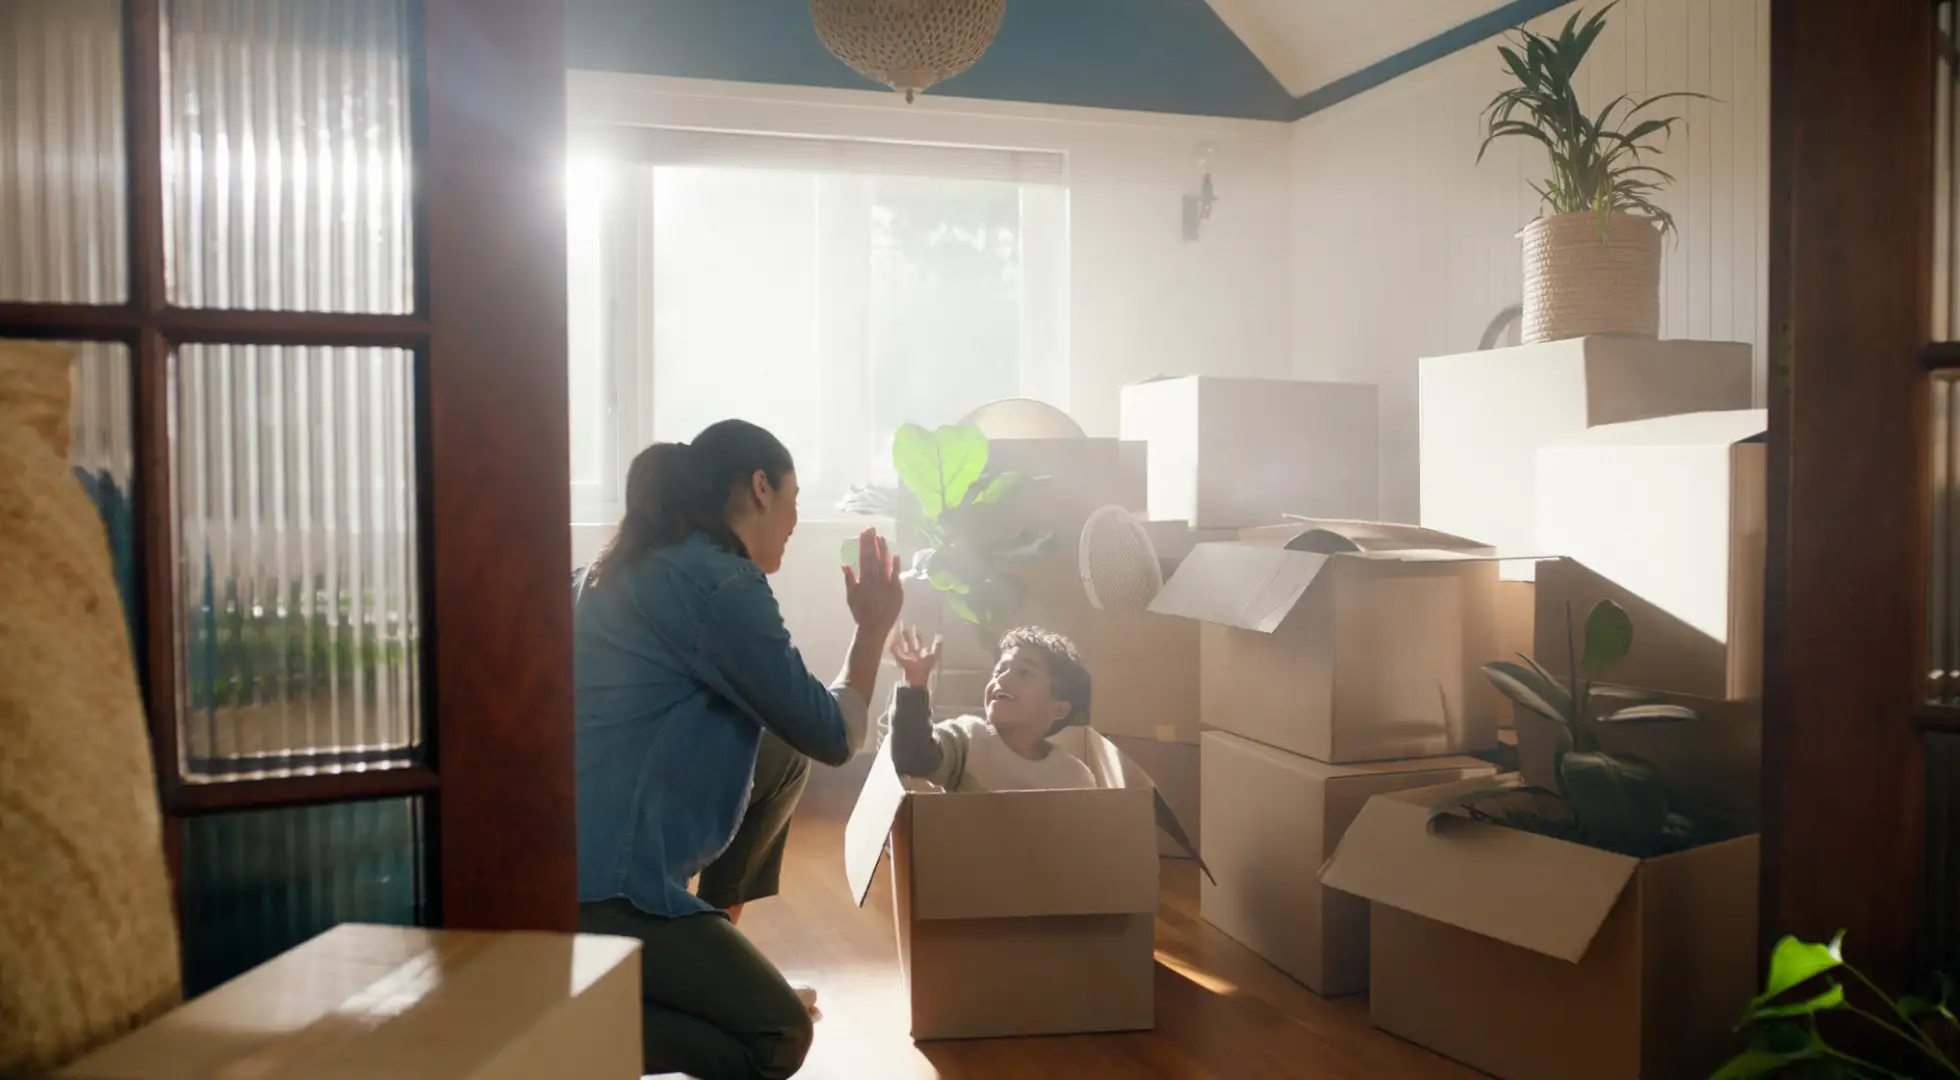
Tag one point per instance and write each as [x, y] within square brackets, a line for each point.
[1594, 158]
[1614, 801]
[1801, 986]
[947, 507]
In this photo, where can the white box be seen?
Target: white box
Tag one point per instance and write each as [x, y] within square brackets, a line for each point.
[1485, 414]
[1668, 518]
[1228, 453]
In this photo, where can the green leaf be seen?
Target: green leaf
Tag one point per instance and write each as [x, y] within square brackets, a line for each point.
[997, 489]
[1649, 714]
[848, 554]
[960, 607]
[1620, 801]
[939, 467]
[948, 582]
[1832, 998]
[1793, 963]
[1622, 693]
[1609, 636]
[1516, 683]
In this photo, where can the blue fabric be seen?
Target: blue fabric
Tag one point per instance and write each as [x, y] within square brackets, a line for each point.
[680, 661]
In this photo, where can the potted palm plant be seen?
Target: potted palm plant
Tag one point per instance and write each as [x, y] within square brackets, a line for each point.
[1592, 264]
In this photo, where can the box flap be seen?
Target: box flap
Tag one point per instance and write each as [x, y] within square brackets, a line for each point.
[1530, 891]
[1724, 428]
[1305, 766]
[870, 824]
[1248, 586]
[1333, 536]
[1114, 768]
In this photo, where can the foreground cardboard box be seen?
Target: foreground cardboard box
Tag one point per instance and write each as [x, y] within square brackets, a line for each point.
[1174, 768]
[1485, 414]
[1270, 820]
[1668, 517]
[1370, 655]
[1228, 453]
[1534, 959]
[1021, 912]
[382, 1001]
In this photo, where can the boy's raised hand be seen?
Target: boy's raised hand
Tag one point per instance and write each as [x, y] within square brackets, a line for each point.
[913, 656]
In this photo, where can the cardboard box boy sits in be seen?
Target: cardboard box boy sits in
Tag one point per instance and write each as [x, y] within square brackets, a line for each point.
[1039, 687]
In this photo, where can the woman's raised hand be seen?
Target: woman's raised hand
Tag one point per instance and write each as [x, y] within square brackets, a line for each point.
[873, 590]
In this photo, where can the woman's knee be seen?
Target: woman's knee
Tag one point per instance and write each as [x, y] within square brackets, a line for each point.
[780, 1054]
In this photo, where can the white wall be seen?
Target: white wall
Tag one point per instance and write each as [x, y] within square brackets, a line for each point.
[1142, 301]
[1404, 247]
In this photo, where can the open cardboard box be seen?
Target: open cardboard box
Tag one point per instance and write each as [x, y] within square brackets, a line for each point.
[384, 1001]
[1353, 642]
[1271, 819]
[1535, 959]
[1669, 518]
[1020, 912]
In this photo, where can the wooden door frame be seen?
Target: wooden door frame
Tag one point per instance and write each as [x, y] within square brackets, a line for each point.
[493, 460]
[1851, 233]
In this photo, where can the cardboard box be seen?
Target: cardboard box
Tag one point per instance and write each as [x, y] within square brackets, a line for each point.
[1534, 959]
[1363, 656]
[388, 1001]
[1270, 820]
[1173, 767]
[1078, 475]
[1143, 667]
[1516, 620]
[1019, 912]
[1669, 518]
[1228, 453]
[1485, 414]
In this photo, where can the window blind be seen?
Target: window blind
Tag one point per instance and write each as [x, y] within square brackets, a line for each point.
[749, 150]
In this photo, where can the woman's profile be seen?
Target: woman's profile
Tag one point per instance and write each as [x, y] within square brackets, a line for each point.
[696, 722]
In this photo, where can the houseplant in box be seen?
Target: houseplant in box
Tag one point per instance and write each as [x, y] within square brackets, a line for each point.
[1592, 264]
[1613, 801]
[952, 527]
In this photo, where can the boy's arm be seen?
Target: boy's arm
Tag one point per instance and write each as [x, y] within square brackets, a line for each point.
[921, 748]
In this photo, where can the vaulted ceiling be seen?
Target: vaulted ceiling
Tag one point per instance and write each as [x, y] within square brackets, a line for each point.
[1258, 59]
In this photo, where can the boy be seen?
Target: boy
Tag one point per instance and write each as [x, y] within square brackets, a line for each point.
[1039, 687]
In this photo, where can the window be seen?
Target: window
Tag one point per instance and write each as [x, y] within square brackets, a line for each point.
[827, 290]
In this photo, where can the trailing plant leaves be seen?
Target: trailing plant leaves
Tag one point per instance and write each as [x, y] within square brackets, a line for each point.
[1609, 636]
[1649, 714]
[1495, 804]
[1918, 1008]
[1620, 801]
[998, 488]
[1774, 1047]
[1520, 685]
[1831, 998]
[1793, 963]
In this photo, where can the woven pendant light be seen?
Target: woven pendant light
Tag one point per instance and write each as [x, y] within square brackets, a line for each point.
[907, 45]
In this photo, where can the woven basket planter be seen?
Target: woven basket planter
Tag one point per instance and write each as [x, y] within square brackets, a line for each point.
[1576, 284]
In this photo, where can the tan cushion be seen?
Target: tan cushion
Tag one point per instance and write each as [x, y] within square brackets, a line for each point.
[88, 940]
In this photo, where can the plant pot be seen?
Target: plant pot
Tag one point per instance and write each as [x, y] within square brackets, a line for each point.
[1577, 284]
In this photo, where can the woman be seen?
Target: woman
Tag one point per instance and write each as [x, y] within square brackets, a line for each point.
[696, 720]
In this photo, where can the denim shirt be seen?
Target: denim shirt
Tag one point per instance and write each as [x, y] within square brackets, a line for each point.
[680, 660]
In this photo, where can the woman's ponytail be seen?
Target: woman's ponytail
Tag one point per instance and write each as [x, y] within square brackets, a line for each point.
[674, 490]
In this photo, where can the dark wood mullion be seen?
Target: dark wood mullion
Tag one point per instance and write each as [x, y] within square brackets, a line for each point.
[82, 322]
[1851, 213]
[1940, 355]
[195, 799]
[497, 550]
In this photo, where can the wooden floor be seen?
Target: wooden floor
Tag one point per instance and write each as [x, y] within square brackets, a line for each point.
[1222, 1013]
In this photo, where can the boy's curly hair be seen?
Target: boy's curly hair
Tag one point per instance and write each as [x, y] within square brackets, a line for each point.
[1068, 678]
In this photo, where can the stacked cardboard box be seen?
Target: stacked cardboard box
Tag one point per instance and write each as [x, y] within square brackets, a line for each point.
[1338, 660]
[1646, 963]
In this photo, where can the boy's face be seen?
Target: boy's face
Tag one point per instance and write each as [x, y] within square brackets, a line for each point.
[1020, 696]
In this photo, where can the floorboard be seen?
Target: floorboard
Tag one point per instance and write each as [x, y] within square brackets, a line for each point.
[1222, 1013]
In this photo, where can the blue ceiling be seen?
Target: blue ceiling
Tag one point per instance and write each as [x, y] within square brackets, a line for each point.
[1172, 56]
